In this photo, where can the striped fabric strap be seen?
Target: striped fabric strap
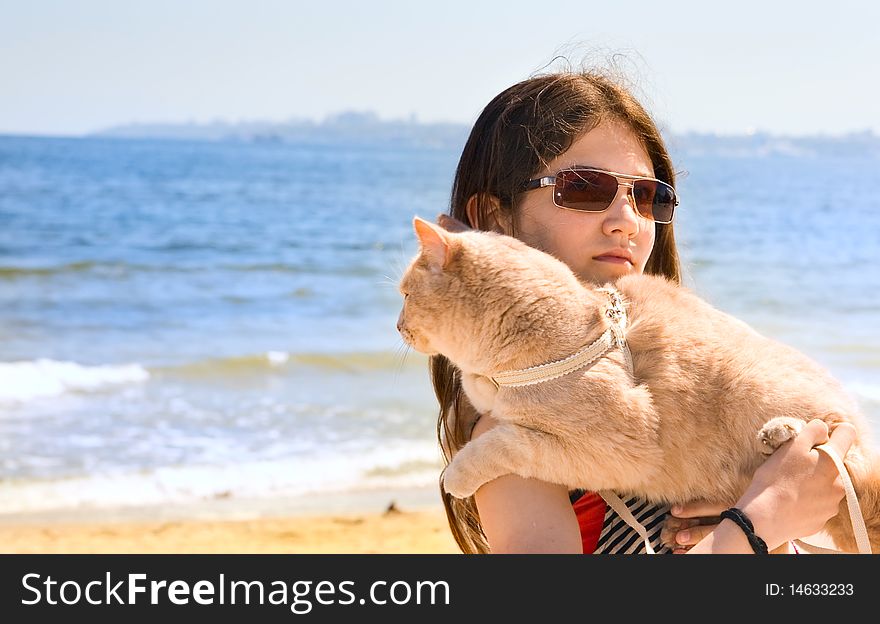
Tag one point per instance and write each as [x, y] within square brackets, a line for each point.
[623, 511]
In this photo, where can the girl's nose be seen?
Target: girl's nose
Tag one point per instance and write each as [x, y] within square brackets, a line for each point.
[622, 215]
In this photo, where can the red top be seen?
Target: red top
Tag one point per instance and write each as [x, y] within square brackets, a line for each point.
[590, 511]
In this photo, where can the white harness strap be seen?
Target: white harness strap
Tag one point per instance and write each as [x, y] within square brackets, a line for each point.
[855, 511]
[614, 336]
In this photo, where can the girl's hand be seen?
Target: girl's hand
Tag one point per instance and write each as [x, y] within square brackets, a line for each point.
[792, 494]
[798, 489]
[688, 524]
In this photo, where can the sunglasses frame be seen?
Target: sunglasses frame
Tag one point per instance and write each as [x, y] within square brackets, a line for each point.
[623, 179]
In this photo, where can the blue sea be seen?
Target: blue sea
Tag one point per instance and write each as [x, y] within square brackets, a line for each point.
[183, 322]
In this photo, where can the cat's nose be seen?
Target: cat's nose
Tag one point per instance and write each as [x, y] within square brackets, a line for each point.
[400, 322]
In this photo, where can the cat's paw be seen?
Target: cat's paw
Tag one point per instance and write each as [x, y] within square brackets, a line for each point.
[778, 431]
[458, 482]
[667, 539]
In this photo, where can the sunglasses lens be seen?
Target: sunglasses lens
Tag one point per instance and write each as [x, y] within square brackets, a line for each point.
[593, 191]
[654, 200]
[590, 191]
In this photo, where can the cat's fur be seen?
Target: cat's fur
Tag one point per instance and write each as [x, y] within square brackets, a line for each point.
[685, 428]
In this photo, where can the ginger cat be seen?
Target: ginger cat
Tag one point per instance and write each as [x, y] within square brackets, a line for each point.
[708, 398]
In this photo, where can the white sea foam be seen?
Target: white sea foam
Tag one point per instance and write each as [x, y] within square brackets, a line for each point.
[277, 358]
[400, 465]
[27, 380]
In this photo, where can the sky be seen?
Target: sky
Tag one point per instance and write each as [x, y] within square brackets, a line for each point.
[69, 67]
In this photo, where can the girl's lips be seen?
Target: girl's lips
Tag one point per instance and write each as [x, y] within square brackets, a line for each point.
[613, 259]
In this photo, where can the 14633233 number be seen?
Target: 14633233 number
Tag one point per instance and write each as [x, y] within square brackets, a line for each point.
[821, 589]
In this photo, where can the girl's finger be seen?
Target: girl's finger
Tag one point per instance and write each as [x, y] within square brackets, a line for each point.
[842, 438]
[680, 550]
[696, 509]
[676, 524]
[814, 433]
[691, 536]
[672, 525]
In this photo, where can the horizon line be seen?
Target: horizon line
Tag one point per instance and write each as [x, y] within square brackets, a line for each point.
[99, 134]
[372, 118]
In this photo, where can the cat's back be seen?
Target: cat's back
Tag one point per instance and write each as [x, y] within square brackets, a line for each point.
[675, 334]
[666, 315]
[666, 308]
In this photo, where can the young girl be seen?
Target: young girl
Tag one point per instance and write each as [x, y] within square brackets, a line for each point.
[512, 178]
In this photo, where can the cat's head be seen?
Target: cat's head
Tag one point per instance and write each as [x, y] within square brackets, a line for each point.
[476, 297]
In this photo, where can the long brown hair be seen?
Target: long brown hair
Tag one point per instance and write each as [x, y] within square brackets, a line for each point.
[521, 130]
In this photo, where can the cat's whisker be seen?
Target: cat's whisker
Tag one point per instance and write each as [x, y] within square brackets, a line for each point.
[402, 351]
[397, 269]
[402, 261]
[388, 281]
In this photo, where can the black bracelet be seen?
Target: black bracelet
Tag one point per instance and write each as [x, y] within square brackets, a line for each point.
[742, 520]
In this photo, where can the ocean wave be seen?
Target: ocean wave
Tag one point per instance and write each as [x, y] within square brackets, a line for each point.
[278, 361]
[394, 465]
[12, 272]
[28, 380]
[104, 268]
[88, 266]
[25, 381]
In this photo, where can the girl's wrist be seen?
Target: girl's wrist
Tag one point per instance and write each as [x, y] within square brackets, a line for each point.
[729, 539]
[763, 519]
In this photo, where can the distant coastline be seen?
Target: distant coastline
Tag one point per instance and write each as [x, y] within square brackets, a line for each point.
[368, 129]
[343, 128]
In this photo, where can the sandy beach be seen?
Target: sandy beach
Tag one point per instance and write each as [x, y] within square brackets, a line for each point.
[422, 531]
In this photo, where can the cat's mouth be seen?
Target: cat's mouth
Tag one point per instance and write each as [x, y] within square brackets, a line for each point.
[413, 341]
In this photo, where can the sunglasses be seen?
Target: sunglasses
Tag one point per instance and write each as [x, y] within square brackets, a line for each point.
[594, 190]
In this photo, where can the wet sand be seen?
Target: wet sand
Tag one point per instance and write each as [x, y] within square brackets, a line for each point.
[391, 532]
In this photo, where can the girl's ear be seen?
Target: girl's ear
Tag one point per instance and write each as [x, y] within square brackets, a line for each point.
[435, 243]
[491, 218]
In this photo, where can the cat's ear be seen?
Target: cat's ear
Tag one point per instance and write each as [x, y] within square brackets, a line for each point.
[451, 224]
[435, 243]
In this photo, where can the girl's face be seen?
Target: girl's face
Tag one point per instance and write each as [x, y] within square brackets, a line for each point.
[591, 243]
